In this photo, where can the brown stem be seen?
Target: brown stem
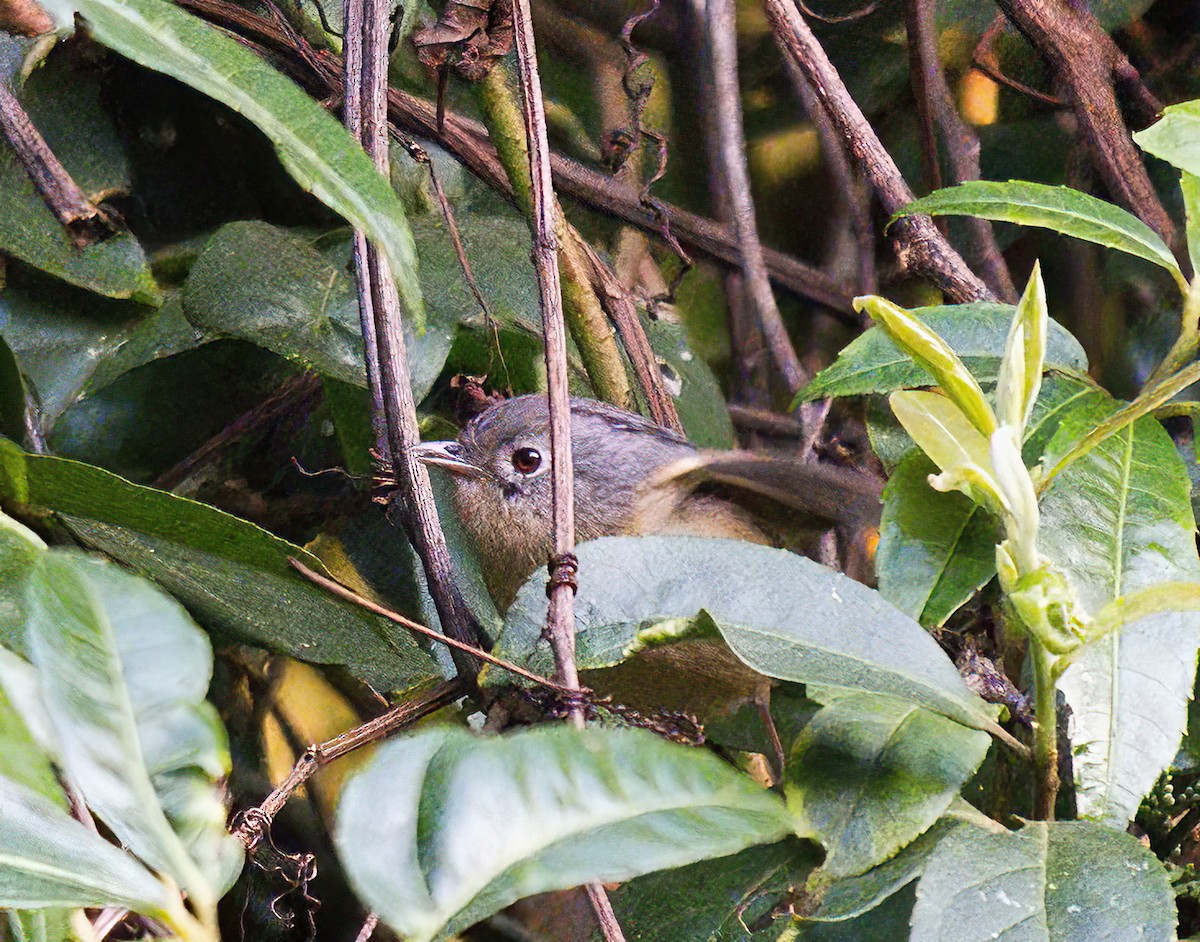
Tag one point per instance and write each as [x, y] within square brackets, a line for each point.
[84, 222]
[253, 824]
[961, 142]
[919, 246]
[722, 47]
[391, 389]
[1086, 62]
[560, 617]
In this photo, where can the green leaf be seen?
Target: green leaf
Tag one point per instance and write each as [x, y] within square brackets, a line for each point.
[233, 575]
[40, 925]
[64, 104]
[936, 548]
[716, 899]
[872, 363]
[317, 151]
[73, 644]
[49, 859]
[445, 828]
[1060, 208]
[22, 761]
[1116, 521]
[13, 394]
[702, 409]
[945, 434]
[20, 550]
[783, 615]
[1024, 356]
[869, 774]
[1175, 136]
[273, 287]
[1057, 882]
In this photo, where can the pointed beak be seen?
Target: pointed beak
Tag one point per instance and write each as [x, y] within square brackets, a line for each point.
[447, 455]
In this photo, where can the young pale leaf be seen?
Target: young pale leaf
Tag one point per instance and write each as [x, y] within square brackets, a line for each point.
[20, 549]
[1115, 522]
[932, 352]
[941, 430]
[1024, 356]
[74, 647]
[314, 148]
[234, 574]
[783, 615]
[1059, 208]
[1049, 882]
[936, 548]
[445, 828]
[48, 858]
[869, 774]
[872, 363]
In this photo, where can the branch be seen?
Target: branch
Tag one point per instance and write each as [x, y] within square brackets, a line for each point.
[919, 246]
[961, 142]
[383, 337]
[84, 222]
[722, 46]
[1087, 64]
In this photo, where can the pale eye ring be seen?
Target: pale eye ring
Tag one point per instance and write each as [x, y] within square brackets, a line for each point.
[526, 460]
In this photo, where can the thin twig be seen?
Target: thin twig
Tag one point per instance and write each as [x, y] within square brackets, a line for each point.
[350, 596]
[560, 617]
[391, 390]
[918, 244]
[84, 222]
[722, 45]
[254, 823]
[368, 928]
[961, 142]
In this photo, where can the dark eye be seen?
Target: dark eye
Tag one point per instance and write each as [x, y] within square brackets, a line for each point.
[527, 460]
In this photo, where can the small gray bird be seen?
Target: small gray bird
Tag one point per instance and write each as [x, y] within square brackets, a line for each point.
[631, 477]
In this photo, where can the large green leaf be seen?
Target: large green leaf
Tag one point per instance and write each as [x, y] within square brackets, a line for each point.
[49, 859]
[936, 548]
[64, 104]
[869, 774]
[233, 575]
[783, 615]
[1056, 882]
[444, 828]
[317, 151]
[1059, 208]
[1175, 136]
[73, 643]
[1118, 520]
[872, 363]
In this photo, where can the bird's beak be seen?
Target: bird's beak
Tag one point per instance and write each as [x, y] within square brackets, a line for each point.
[447, 455]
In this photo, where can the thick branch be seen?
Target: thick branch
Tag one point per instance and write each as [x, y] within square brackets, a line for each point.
[919, 246]
[1087, 63]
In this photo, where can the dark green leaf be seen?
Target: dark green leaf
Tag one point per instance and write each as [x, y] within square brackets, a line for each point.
[317, 151]
[1060, 208]
[742, 898]
[976, 332]
[64, 104]
[233, 575]
[869, 774]
[783, 615]
[445, 828]
[702, 409]
[1057, 882]
[936, 549]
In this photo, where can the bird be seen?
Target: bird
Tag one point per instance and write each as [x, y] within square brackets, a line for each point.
[632, 477]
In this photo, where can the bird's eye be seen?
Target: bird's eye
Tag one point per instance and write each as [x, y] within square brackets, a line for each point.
[527, 460]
